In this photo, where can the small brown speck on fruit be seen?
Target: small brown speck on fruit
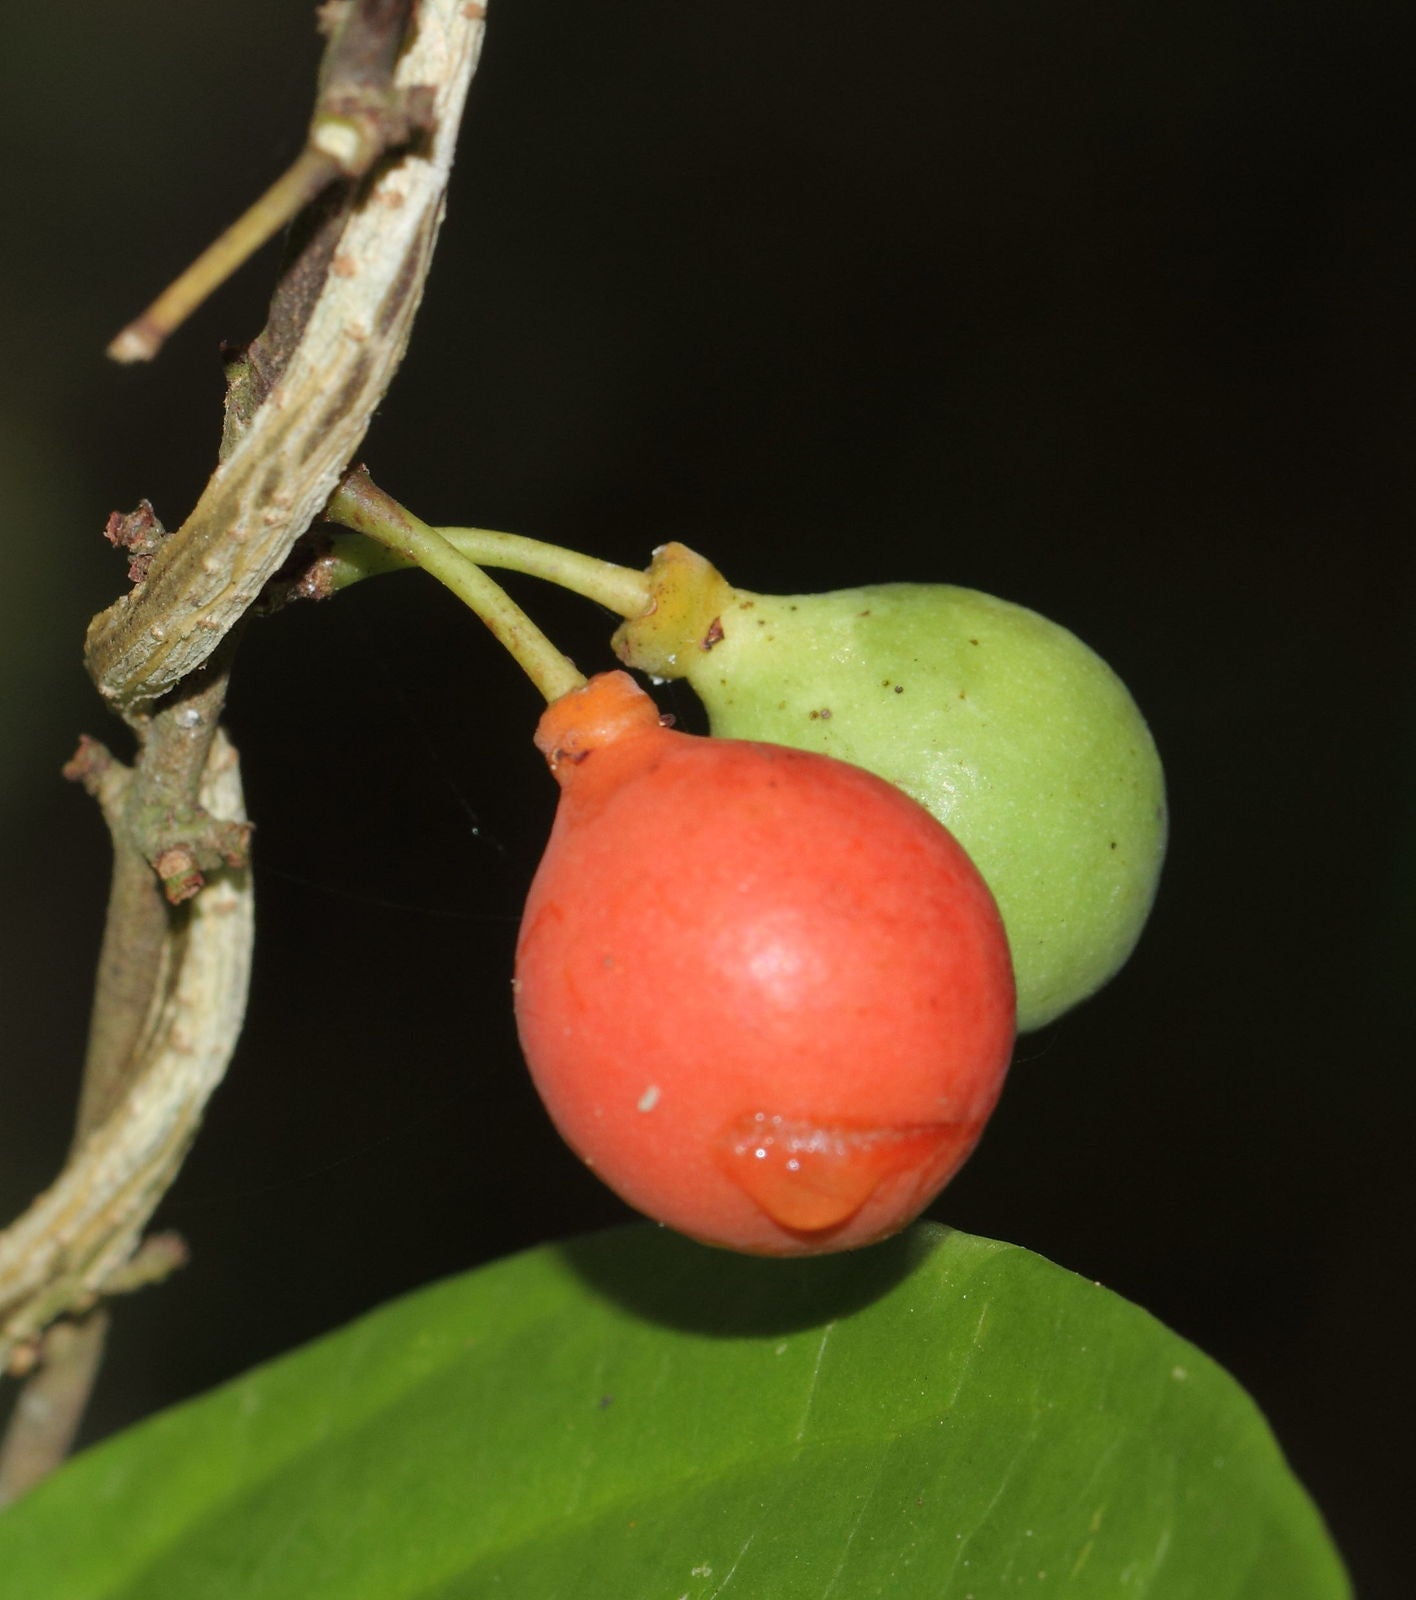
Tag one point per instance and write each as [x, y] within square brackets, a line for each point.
[899, 688]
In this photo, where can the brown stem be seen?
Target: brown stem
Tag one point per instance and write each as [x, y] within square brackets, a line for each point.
[173, 973]
[297, 421]
[134, 964]
[358, 116]
[51, 1405]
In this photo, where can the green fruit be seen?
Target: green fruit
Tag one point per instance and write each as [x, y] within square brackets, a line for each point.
[1020, 739]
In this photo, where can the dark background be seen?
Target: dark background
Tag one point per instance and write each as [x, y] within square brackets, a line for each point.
[1102, 308]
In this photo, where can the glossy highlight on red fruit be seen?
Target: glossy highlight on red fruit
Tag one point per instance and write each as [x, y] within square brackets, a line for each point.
[763, 993]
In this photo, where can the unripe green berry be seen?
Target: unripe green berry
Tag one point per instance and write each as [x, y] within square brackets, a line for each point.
[1019, 738]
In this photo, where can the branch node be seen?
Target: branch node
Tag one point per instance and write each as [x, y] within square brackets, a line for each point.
[140, 533]
[155, 1259]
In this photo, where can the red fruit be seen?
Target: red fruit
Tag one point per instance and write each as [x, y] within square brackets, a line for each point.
[764, 994]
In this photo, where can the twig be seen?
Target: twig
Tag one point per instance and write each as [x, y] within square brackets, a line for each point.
[62, 1365]
[305, 429]
[173, 975]
[48, 1412]
[359, 115]
[167, 836]
[189, 989]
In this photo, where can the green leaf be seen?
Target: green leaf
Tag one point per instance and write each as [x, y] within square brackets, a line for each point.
[634, 1417]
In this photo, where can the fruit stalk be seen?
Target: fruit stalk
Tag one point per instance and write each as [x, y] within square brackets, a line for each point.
[621, 590]
[360, 504]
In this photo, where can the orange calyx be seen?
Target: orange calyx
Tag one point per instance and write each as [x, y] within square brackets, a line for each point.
[809, 1178]
[610, 706]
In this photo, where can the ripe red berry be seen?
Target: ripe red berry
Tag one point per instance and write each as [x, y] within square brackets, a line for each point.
[763, 994]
